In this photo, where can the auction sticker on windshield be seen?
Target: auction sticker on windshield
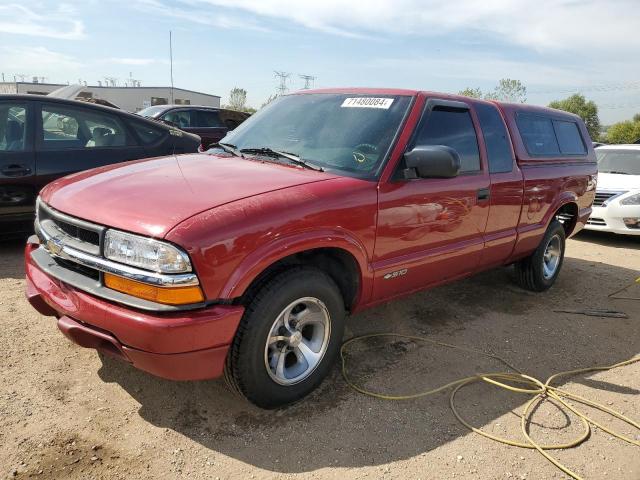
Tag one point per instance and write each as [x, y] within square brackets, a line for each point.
[367, 102]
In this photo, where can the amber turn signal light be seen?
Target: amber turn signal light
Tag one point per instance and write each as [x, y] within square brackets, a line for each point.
[166, 295]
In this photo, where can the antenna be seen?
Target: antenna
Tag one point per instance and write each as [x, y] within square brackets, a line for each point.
[308, 81]
[132, 82]
[171, 64]
[283, 76]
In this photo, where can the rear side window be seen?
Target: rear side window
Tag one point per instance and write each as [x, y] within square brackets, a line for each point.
[208, 119]
[545, 136]
[181, 118]
[13, 127]
[569, 138]
[148, 134]
[496, 139]
[538, 135]
[74, 128]
[452, 128]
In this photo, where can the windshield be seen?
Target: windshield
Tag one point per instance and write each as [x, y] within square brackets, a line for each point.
[151, 111]
[626, 162]
[348, 133]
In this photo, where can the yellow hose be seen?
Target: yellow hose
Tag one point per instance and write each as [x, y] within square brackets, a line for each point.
[537, 389]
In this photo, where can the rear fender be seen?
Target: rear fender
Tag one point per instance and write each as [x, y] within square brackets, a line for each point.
[563, 199]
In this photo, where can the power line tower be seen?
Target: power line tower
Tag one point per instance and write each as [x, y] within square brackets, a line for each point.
[283, 76]
[308, 81]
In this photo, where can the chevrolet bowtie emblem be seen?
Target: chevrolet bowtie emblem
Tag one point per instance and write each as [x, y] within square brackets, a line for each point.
[54, 245]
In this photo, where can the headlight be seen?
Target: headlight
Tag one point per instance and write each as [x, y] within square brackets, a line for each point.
[145, 253]
[631, 200]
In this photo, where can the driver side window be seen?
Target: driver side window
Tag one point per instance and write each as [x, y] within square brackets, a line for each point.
[452, 128]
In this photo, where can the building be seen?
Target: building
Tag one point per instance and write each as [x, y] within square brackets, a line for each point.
[127, 98]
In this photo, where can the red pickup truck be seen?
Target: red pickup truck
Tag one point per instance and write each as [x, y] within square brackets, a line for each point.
[247, 259]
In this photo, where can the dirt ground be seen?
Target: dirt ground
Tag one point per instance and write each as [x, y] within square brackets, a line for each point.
[66, 415]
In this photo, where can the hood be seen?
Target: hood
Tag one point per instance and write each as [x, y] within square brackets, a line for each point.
[150, 197]
[615, 181]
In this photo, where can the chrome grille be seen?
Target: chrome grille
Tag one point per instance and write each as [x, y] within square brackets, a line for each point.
[79, 234]
[603, 196]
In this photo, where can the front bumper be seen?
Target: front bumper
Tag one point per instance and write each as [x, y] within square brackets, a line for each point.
[610, 219]
[178, 345]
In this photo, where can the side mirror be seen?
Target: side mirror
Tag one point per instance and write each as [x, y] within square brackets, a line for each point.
[432, 161]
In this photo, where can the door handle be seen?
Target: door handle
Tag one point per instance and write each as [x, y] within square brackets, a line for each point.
[483, 194]
[15, 171]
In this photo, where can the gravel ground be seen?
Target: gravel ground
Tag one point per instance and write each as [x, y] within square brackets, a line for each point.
[66, 414]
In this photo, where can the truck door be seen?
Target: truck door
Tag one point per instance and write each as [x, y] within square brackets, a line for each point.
[430, 230]
[17, 160]
[506, 189]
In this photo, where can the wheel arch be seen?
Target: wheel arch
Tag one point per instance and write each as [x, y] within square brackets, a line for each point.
[566, 212]
[345, 261]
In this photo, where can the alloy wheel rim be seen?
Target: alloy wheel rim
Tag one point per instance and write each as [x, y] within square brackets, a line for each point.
[297, 341]
[551, 257]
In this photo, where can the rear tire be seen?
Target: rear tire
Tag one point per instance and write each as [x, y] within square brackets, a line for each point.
[539, 271]
[288, 339]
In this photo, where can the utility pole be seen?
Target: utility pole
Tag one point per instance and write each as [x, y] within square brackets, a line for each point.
[308, 81]
[283, 76]
[171, 63]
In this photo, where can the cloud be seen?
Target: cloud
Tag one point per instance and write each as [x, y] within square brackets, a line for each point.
[563, 25]
[37, 60]
[485, 68]
[58, 22]
[190, 11]
[136, 61]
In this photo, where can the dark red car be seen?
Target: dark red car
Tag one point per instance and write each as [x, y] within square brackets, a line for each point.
[209, 123]
[247, 260]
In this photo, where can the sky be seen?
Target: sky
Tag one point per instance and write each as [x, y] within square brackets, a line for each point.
[555, 48]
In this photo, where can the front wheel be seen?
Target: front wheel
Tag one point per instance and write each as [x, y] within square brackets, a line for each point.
[288, 338]
[539, 271]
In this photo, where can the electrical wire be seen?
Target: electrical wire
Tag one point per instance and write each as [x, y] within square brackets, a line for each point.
[539, 391]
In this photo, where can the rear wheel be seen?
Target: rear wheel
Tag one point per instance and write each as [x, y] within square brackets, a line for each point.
[539, 271]
[288, 338]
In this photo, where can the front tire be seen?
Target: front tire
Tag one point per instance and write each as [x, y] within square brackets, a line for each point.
[539, 271]
[288, 338]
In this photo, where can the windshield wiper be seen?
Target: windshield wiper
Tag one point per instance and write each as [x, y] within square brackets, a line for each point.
[289, 156]
[232, 149]
[614, 171]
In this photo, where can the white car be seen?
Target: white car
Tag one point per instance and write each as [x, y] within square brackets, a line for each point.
[616, 207]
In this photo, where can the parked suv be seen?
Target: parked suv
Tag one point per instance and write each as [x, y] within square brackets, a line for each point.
[210, 123]
[616, 208]
[324, 203]
[44, 138]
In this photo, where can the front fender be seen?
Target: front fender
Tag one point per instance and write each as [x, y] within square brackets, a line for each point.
[268, 254]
